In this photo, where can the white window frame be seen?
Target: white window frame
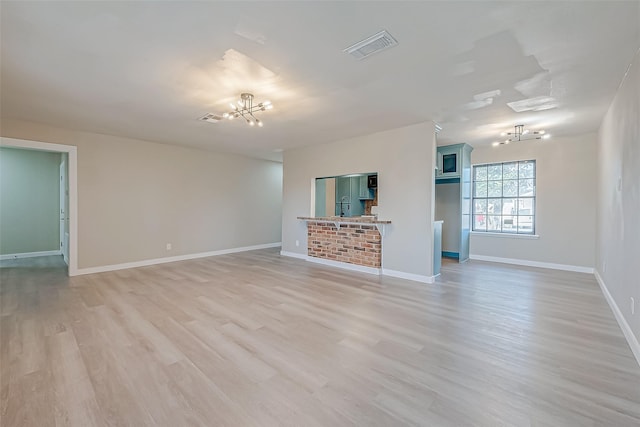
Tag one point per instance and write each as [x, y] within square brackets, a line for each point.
[517, 232]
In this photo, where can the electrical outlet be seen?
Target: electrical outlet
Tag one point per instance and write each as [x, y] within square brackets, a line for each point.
[633, 305]
[169, 246]
[297, 242]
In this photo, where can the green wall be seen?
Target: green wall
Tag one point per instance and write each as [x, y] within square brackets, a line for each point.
[29, 201]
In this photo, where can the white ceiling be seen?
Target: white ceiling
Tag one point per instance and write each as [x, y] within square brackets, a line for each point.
[148, 70]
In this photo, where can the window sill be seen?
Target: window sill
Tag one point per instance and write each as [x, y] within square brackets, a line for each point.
[507, 235]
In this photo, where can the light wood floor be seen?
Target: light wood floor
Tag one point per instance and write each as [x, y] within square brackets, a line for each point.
[256, 339]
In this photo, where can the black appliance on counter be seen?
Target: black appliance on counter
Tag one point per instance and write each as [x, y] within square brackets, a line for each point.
[372, 181]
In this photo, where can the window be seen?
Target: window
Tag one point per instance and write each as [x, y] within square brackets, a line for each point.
[504, 197]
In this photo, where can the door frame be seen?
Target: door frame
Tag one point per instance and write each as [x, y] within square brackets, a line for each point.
[72, 176]
[64, 244]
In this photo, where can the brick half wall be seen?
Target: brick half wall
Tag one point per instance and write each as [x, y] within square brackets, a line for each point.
[359, 244]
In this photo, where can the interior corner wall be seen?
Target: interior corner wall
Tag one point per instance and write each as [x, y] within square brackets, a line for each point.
[404, 161]
[136, 196]
[618, 213]
[29, 201]
[565, 202]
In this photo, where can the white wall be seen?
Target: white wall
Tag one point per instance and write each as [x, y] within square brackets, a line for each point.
[565, 202]
[135, 196]
[618, 219]
[29, 201]
[404, 160]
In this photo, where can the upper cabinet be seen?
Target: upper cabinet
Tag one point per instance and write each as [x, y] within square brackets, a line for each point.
[450, 160]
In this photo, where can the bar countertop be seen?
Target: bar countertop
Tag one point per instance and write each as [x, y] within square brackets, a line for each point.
[345, 219]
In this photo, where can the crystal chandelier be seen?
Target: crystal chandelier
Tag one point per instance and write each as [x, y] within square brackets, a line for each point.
[521, 134]
[245, 109]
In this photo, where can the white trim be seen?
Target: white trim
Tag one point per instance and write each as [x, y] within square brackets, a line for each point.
[65, 249]
[35, 145]
[507, 235]
[361, 268]
[73, 188]
[344, 265]
[293, 255]
[622, 322]
[147, 262]
[565, 267]
[409, 276]
[29, 254]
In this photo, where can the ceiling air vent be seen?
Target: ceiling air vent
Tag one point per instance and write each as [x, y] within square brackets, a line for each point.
[376, 43]
[211, 118]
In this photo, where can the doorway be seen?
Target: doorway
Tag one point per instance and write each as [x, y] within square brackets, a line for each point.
[70, 214]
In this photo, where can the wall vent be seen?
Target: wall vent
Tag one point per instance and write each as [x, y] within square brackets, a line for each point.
[376, 43]
[211, 118]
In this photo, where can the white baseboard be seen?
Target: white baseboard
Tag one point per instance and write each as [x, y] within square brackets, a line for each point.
[345, 265]
[331, 263]
[408, 276]
[515, 261]
[293, 255]
[361, 268]
[626, 329]
[145, 263]
[29, 254]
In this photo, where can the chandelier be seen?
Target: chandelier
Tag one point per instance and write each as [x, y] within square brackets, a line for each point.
[521, 134]
[245, 109]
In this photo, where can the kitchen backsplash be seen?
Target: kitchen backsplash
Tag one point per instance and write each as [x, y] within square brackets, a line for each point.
[369, 203]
